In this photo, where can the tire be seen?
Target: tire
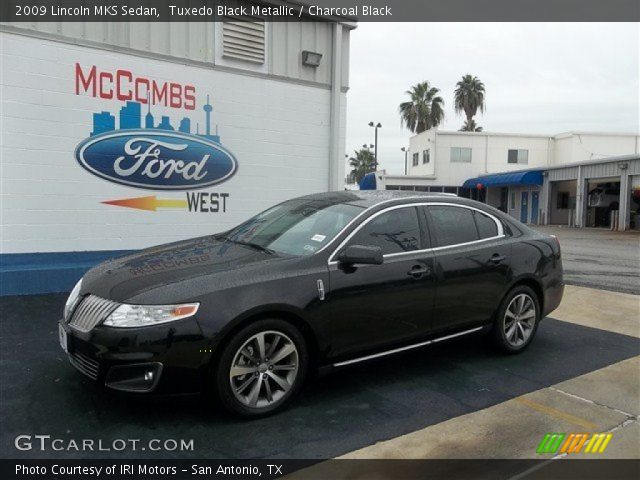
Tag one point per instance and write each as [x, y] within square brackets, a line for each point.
[250, 384]
[516, 323]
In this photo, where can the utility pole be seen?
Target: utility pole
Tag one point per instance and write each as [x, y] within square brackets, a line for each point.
[375, 126]
[406, 151]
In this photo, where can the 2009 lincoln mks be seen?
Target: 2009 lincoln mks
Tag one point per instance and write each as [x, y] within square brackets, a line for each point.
[320, 281]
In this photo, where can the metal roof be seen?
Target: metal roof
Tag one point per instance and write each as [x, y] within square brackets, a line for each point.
[532, 177]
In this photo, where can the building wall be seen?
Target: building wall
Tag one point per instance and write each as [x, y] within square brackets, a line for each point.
[490, 152]
[201, 42]
[417, 144]
[592, 146]
[561, 216]
[499, 146]
[187, 40]
[279, 132]
[563, 150]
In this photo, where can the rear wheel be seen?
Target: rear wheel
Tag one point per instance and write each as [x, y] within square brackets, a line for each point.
[517, 320]
[261, 368]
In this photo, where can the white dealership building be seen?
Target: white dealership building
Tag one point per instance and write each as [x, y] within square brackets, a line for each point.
[120, 136]
[575, 178]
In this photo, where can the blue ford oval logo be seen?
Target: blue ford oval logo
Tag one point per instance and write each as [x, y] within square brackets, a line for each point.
[156, 160]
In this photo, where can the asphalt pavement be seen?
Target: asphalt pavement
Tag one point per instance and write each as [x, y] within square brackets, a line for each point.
[599, 258]
[359, 406]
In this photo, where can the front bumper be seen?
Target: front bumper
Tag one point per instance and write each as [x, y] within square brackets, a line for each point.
[164, 359]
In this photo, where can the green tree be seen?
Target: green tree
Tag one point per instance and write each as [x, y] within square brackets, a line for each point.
[469, 97]
[424, 110]
[470, 126]
[361, 164]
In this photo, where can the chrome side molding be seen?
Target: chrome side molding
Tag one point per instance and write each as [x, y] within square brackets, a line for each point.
[403, 349]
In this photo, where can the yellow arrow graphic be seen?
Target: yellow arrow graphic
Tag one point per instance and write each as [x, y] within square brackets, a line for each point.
[148, 203]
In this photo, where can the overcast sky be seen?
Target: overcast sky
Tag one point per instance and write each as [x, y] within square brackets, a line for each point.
[539, 78]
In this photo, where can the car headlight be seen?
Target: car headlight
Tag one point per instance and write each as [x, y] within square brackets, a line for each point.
[143, 315]
[73, 299]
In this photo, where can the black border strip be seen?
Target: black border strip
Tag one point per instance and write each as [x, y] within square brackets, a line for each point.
[565, 469]
[345, 11]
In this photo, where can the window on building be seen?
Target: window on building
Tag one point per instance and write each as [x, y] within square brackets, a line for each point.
[464, 192]
[562, 201]
[512, 201]
[450, 189]
[416, 157]
[426, 156]
[487, 228]
[453, 225]
[394, 231]
[435, 189]
[460, 155]
[518, 156]
[243, 38]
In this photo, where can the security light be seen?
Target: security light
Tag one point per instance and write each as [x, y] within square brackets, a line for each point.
[311, 59]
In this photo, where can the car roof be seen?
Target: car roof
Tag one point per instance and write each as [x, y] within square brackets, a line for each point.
[371, 198]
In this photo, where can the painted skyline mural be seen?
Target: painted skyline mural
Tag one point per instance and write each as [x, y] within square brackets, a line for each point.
[130, 117]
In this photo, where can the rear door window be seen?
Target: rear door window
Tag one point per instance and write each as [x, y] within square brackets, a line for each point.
[487, 228]
[452, 225]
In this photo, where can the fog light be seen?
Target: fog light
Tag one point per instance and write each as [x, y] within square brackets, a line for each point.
[139, 377]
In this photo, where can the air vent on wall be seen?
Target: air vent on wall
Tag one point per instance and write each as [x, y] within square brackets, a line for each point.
[243, 39]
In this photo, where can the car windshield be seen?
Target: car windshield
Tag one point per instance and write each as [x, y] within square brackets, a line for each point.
[296, 227]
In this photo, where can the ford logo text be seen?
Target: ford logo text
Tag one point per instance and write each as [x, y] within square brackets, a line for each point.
[156, 160]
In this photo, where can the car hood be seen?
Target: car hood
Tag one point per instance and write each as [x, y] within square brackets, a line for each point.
[125, 278]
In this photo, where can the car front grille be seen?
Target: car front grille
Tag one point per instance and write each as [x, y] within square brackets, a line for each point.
[85, 364]
[91, 311]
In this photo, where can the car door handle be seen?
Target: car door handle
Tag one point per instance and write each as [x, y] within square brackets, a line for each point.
[418, 271]
[497, 258]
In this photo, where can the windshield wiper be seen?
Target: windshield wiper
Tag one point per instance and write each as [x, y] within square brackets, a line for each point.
[255, 246]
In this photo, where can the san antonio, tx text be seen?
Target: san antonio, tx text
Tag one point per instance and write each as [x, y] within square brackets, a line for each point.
[244, 471]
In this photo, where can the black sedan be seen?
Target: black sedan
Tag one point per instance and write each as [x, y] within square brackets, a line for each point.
[311, 284]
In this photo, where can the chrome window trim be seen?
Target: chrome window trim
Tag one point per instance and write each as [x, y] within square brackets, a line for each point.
[363, 213]
[501, 234]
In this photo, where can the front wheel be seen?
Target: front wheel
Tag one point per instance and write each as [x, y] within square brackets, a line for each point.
[517, 320]
[261, 368]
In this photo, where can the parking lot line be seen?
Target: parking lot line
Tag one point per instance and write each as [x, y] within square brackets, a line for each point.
[513, 429]
[554, 412]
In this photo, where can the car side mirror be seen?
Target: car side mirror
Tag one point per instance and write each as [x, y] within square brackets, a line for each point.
[361, 254]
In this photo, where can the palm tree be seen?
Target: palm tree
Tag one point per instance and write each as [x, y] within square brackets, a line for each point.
[362, 163]
[470, 126]
[424, 110]
[469, 97]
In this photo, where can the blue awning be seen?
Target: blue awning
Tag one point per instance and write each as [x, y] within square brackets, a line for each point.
[506, 179]
[368, 182]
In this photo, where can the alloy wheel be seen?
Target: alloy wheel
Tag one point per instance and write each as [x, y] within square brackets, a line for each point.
[264, 369]
[519, 319]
